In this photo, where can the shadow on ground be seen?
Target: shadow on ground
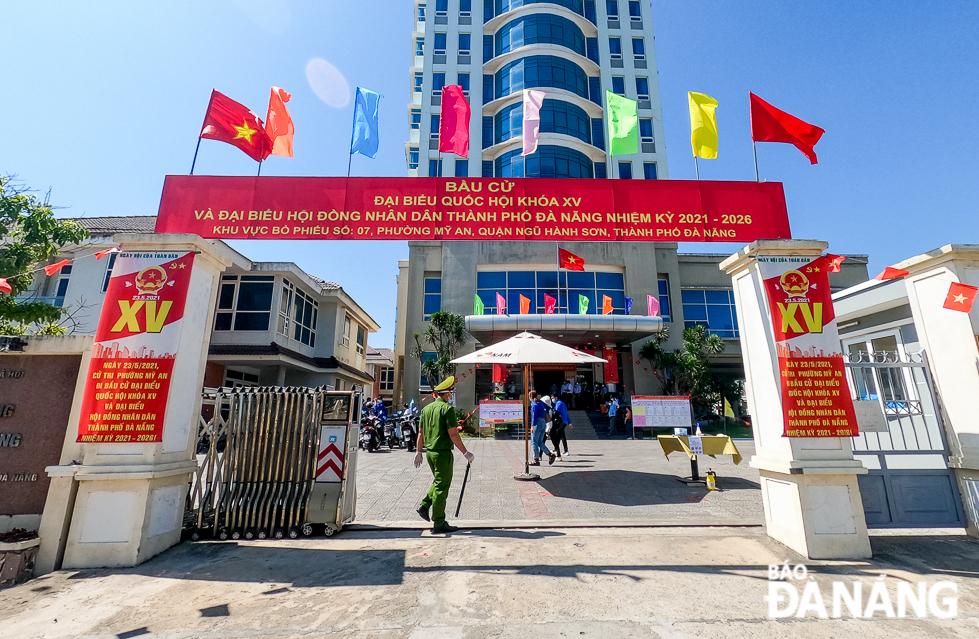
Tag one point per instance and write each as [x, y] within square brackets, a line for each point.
[631, 488]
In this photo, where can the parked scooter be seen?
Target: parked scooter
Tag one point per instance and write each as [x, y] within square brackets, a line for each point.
[390, 435]
[370, 436]
[409, 431]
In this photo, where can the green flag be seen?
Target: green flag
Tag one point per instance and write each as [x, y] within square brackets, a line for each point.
[623, 124]
[478, 307]
[582, 305]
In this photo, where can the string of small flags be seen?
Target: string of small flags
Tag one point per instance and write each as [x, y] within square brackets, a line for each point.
[52, 269]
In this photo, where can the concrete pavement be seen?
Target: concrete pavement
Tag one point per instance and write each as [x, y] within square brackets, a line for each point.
[586, 582]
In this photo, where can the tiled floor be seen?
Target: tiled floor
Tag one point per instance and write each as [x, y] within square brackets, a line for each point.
[599, 480]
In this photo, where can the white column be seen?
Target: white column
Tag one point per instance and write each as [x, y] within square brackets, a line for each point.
[808, 485]
[130, 497]
[949, 339]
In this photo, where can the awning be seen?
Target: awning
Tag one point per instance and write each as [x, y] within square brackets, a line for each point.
[570, 330]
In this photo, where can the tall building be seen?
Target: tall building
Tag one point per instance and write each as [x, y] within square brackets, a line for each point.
[572, 49]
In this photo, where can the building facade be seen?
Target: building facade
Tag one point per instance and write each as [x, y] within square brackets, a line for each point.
[574, 50]
[273, 324]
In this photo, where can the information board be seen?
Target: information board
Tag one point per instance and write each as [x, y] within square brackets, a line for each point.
[500, 412]
[660, 411]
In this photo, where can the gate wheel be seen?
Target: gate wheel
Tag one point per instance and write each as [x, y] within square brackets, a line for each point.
[194, 536]
[236, 534]
[262, 534]
[307, 530]
[293, 533]
[249, 534]
[279, 533]
[329, 530]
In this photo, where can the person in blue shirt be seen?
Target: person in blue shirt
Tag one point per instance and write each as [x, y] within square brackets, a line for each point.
[538, 417]
[613, 407]
[380, 410]
[559, 423]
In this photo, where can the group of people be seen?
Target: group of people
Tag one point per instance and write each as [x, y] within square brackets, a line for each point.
[376, 408]
[549, 416]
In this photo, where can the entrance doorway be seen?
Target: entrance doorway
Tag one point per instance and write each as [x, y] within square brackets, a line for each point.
[548, 382]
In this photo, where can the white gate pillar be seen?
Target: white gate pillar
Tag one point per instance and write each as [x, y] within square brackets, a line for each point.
[950, 338]
[130, 499]
[808, 485]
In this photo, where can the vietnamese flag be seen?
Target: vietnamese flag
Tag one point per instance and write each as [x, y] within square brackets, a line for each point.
[499, 373]
[769, 124]
[834, 261]
[228, 121]
[549, 304]
[51, 269]
[960, 297]
[570, 261]
[454, 122]
[278, 123]
[891, 273]
[5, 286]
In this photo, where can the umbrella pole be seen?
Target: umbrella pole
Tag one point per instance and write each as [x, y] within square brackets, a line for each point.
[526, 476]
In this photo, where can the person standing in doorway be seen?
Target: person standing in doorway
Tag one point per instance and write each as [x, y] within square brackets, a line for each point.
[576, 396]
[438, 432]
[538, 416]
[560, 422]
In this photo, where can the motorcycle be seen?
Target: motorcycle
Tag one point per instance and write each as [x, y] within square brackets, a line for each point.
[370, 440]
[409, 432]
[390, 436]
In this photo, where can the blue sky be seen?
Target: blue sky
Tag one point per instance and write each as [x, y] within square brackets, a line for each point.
[102, 100]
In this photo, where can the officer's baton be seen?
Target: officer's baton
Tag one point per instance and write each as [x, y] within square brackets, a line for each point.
[463, 490]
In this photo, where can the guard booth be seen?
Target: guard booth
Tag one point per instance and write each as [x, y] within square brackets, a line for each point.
[274, 462]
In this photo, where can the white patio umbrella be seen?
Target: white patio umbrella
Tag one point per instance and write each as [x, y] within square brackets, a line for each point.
[527, 349]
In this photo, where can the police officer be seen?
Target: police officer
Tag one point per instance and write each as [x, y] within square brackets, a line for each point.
[438, 431]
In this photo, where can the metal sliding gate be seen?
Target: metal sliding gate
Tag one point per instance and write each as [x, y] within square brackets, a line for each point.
[909, 483]
[274, 461]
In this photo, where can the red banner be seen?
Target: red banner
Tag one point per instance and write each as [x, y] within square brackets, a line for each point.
[135, 346]
[816, 399]
[314, 208]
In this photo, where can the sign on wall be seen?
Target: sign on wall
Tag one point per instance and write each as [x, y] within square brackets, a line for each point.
[135, 347]
[654, 411]
[816, 400]
[329, 208]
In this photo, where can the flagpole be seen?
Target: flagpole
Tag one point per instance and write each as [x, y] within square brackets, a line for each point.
[696, 165]
[259, 167]
[194, 163]
[349, 163]
[754, 149]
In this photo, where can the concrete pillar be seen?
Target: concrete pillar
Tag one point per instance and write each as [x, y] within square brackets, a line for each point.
[280, 375]
[130, 497]
[949, 339]
[808, 485]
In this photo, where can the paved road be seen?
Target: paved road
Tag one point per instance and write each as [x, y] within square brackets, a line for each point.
[606, 480]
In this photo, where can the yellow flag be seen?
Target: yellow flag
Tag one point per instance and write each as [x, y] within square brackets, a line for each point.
[728, 411]
[703, 125]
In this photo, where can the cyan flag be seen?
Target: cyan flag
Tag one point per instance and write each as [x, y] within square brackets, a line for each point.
[364, 139]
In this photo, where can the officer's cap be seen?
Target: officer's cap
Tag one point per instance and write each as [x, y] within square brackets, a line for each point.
[446, 385]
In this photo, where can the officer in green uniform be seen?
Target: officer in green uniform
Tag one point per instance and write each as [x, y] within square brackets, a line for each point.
[438, 433]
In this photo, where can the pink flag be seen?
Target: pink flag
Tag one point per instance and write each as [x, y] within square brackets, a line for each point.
[549, 304]
[653, 304]
[500, 304]
[454, 122]
[532, 101]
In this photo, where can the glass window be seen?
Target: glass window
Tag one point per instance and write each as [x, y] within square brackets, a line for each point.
[440, 39]
[433, 296]
[345, 338]
[642, 88]
[590, 11]
[416, 118]
[615, 47]
[649, 170]
[713, 308]
[441, 5]
[419, 80]
[438, 83]
[612, 9]
[487, 166]
[664, 298]
[541, 71]
[435, 168]
[361, 339]
[487, 48]
[595, 90]
[618, 85]
[413, 158]
[646, 129]
[548, 161]
[540, 28]
[503, 6]
[434, 126]
[625, 170]
[639, 48]
[462, 168]
[419, 46]
[465, 5]
[600, 171]
[249, 300]
[463, 79]
[108, 271]
[426, 356]
[465, 43]
[635, 10]
[561, 285]
[298, 313]
[421, 13]
[591, 48]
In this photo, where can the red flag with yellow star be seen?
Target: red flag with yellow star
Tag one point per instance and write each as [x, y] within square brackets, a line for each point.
[236, 124]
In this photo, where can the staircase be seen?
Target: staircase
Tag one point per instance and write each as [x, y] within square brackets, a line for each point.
[583, 427]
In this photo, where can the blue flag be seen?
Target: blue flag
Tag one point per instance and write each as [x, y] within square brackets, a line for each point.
[628, 305]
[364, 139]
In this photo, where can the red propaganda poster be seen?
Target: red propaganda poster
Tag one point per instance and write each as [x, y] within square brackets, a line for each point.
[329, 208]
[135, 346]
[815, 397]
